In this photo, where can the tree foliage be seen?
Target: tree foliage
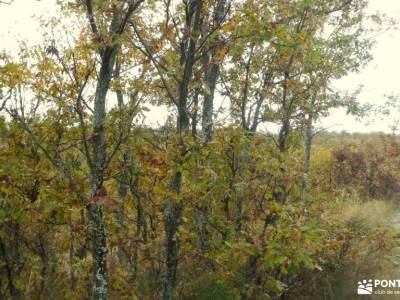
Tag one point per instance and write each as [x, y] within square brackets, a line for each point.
[95, 203]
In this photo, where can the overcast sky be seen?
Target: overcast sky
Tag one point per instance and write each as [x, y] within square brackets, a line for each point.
[18, 21]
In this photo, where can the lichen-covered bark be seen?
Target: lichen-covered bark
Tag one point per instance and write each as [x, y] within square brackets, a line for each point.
[173, 208]
[172, 217]
[98, 234]
[107, 51]
[99, 252]
[211, 77]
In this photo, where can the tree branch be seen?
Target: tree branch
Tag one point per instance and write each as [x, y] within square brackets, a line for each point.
[90, 15]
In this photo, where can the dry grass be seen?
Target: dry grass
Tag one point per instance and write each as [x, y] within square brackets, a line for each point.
[373, 251]
[373, 213]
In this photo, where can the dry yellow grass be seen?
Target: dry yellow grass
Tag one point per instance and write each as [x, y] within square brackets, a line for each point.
[373, 213]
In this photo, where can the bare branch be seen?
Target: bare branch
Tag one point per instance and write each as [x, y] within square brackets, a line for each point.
[90, 15]
[150, 55]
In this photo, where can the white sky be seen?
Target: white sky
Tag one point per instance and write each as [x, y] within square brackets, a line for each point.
[379, 78]
[18, 21]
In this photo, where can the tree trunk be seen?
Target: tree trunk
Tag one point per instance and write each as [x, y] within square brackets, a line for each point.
[172, 217]
[123, 185]
[140, 219]
[283, 135]
[208, 105]
[211, 77]
[173, 208]
[71, 250]
[307, 152]
[244, 162]
[14, 291]
[122, 189]
[99, 252]
[98, 234]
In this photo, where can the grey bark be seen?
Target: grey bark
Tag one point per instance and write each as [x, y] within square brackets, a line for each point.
[123, 185]
[71, 250]
[140, 214]
[208, 105]
[95, 213]
[211, 75]
[173, 209]
[244, 155]
[122, 193]
[96, 223]
[243, 166]
[210, 78]
[172, 216]
[285, 122]
[195, 112]
[99, 252]
[283, 135]
[307, 151]
[98, 234]
[202, 227]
